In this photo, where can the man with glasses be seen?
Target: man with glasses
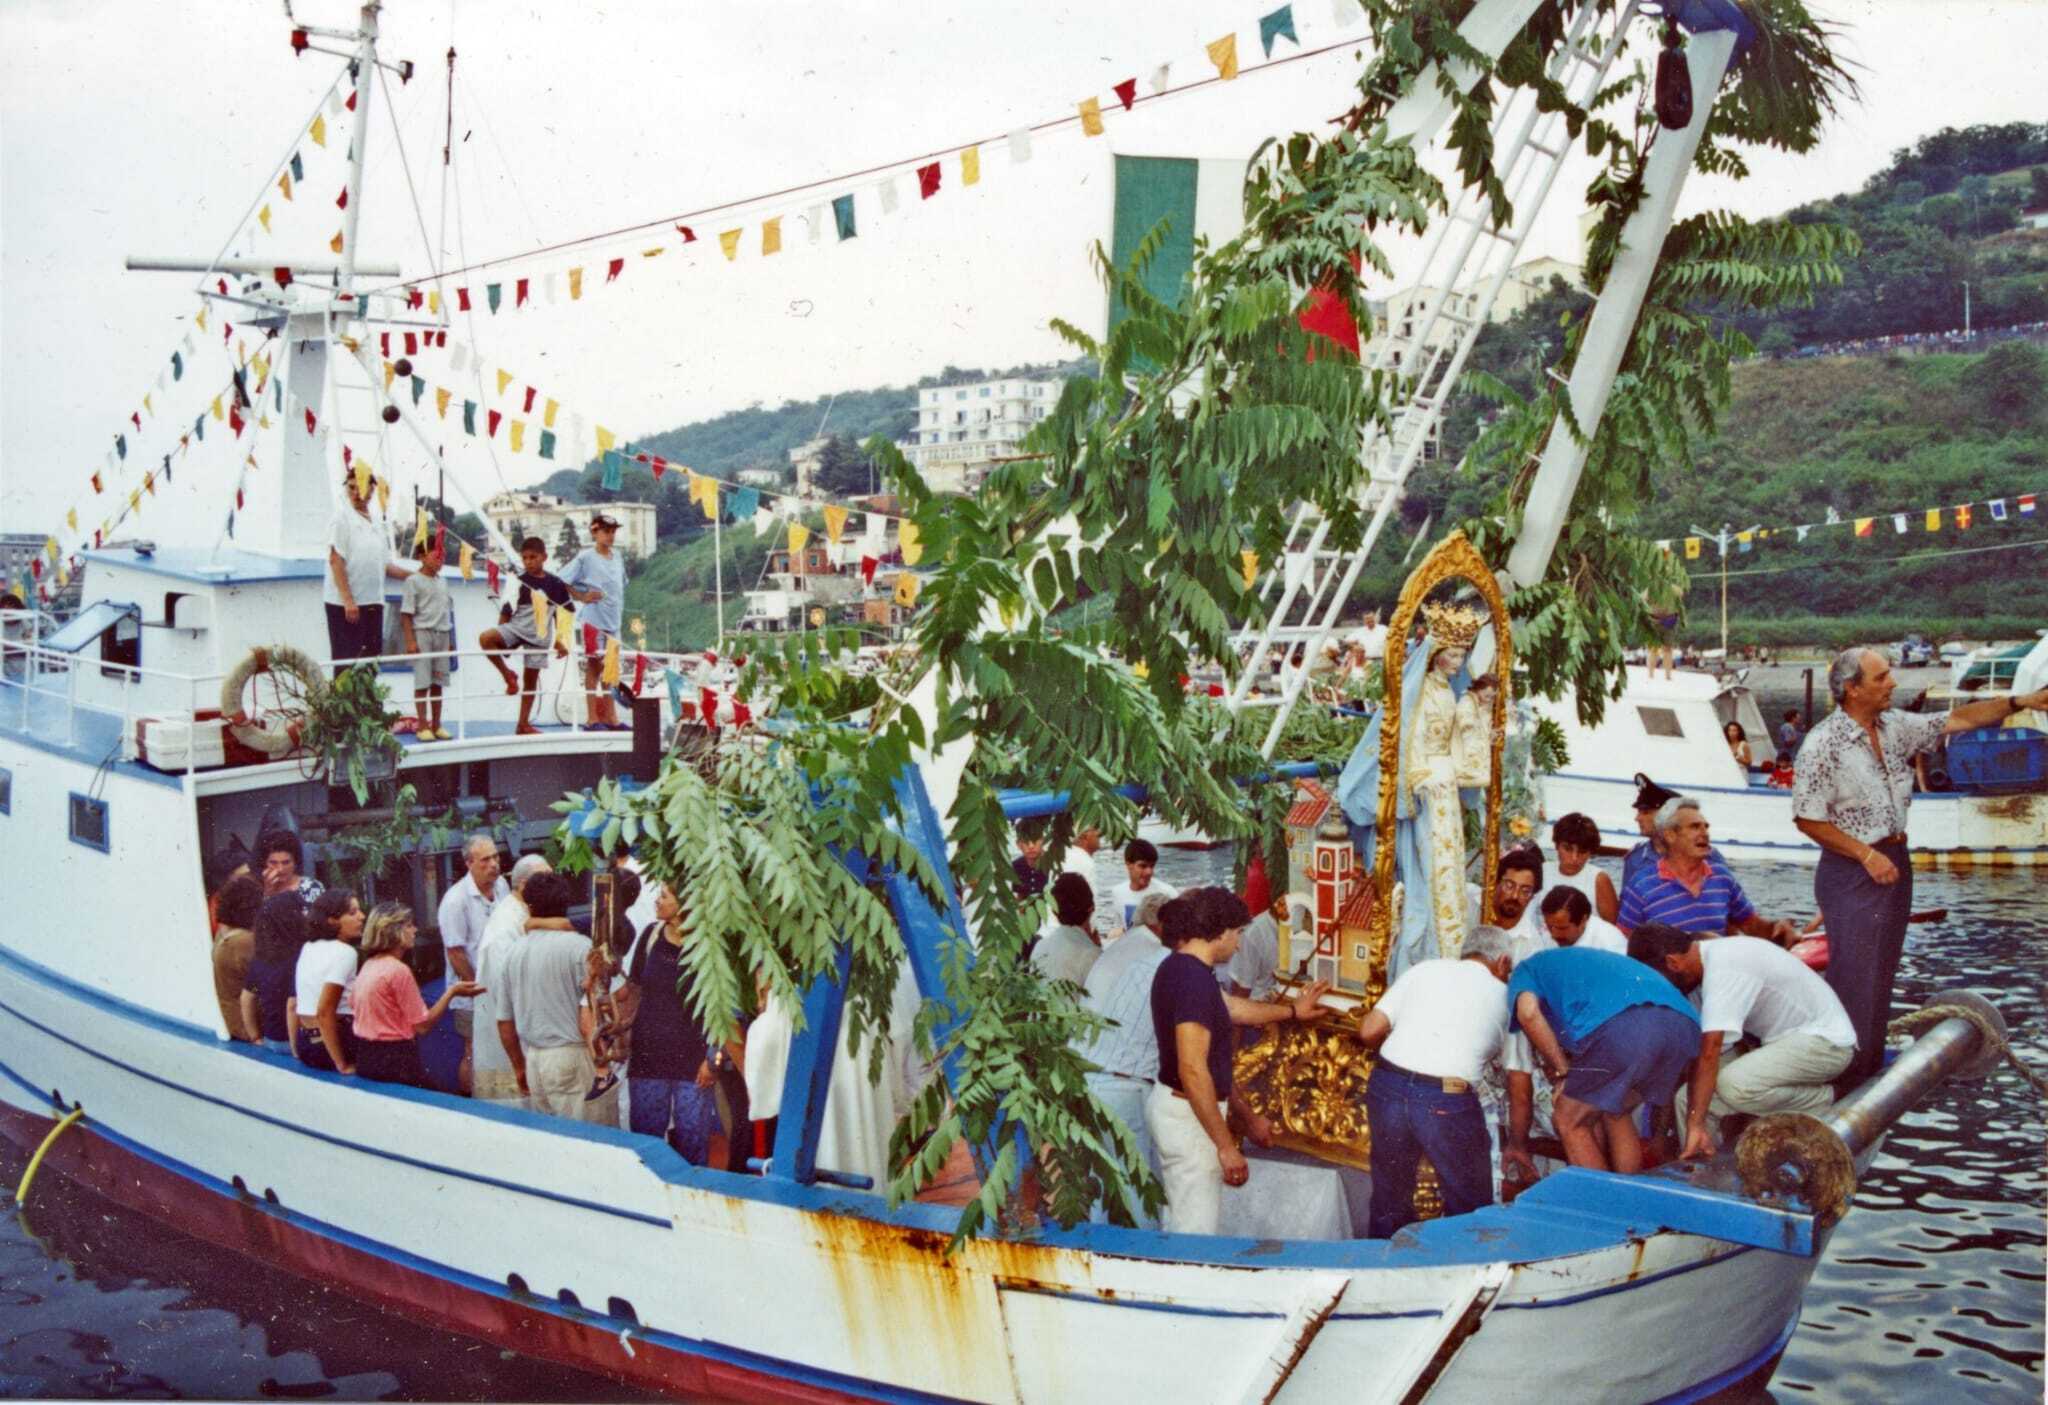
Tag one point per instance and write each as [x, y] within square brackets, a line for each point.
[1690, 887]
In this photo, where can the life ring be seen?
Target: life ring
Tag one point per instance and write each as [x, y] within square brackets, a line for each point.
[274, 733]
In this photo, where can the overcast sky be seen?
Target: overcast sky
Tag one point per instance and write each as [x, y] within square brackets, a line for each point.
[148, 128]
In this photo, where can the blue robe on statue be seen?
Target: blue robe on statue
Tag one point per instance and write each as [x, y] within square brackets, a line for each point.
[1358, 795]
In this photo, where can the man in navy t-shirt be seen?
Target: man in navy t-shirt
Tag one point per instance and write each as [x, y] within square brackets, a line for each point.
[1612, 1034]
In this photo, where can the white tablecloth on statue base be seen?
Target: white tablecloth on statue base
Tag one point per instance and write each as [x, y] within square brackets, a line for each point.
[1286, 1201]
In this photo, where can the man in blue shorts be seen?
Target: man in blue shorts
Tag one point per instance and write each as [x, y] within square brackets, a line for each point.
[1611, 1034]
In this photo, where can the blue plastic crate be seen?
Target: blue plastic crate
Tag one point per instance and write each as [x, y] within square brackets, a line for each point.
[2002, 760]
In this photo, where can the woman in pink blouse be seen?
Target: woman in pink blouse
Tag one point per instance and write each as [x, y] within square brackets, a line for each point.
[389, 1014]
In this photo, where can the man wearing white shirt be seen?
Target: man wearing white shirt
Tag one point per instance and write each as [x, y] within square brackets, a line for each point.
[1140, 859]
[1435, 1029]
[1569, 917]
[492, 1078]
[1749, 986]
[465, 908]
[1371, 637]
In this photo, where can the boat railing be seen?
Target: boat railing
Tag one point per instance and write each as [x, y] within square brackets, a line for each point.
[45, 699]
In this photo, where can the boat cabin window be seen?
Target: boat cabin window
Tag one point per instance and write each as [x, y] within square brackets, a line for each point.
[121, 646]
[1660, 721]
[89, 822]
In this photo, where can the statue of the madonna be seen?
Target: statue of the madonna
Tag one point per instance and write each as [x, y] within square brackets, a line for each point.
[1446, 756]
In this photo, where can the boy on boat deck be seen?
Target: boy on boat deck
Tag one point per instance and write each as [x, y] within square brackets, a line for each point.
[427, 615]
[522, 630]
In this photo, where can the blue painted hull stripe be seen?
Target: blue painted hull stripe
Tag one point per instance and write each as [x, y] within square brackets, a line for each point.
[468, 1282]
[1735, 1374]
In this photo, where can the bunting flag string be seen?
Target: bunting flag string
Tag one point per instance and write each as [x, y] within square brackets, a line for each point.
[1956, 516]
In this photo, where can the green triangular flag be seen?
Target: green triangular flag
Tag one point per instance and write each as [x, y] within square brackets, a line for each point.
[419, 388]
[493, 292]
[547, 443]
[469, 417]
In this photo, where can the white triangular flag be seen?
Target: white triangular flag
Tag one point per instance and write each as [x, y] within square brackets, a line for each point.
[814, 222]
[764, 522]
[1803, 531]
[578, 437]
[886, 189]
[1898, 521]
[1020, 145]
[1834, 518]
[1161, 75]
[548, 285]
[334, 102]
[460, 360]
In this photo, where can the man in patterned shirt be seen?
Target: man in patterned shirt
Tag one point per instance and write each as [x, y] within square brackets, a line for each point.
[1854, 783]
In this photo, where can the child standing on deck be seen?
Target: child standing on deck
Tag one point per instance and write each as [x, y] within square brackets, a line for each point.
[427, 614]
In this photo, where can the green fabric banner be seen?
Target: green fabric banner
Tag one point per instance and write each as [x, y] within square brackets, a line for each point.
[1149, 189]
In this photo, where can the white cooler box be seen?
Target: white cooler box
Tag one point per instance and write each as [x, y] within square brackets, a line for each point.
[177, 743]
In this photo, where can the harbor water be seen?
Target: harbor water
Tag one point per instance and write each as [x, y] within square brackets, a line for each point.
[1931, 1290]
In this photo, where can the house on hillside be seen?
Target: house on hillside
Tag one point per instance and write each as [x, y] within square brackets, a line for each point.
[965, 430]
[806, 459]
[760, 477]
[536, 514]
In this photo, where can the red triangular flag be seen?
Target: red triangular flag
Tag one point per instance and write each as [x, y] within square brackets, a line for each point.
[282, 276]
[689, 234]
[238, 499]
[529, 402]
[412, 343]
[96, 483]
[441, 538]
[491, 426]
[235, 421]
[35, 566]
[928, 180]
[415, 298]
[491, 574]
[1326, 315]
[660, 467]
[613, 271]
[346, 455]
[1126, 92]
[341, 200]
[136, 415]
[639, 671]
[462, 299]
[351, 101]
[309, 421]
[867, 570]
[384, 344]
[440, 339]
[519, 293]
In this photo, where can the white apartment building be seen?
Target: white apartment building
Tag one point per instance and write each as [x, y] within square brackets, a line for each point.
[541, 515]
[962, 430]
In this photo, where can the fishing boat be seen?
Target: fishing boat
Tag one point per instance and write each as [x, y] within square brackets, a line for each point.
[1985, 801]
[121, 767]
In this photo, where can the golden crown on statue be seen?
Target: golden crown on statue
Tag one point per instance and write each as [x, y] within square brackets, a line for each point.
[1453, 626]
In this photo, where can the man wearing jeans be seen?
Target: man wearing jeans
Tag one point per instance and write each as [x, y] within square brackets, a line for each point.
[670, 1072]
[1435, 1029]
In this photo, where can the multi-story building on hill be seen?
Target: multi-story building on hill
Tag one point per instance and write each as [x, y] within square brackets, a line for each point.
[964, 430]
[537, 514]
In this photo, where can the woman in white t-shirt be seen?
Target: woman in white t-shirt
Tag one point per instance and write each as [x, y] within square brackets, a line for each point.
[322, 1032]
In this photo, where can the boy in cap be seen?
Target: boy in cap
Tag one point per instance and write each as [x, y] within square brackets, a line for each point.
[597, 578]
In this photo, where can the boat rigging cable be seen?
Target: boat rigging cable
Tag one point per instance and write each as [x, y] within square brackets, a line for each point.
[824, 182]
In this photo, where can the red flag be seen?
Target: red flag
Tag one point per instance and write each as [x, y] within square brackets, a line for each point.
[462, 299]
[519, 293]
[928, 180]
[351, 101]
[412, 343]
[867, 570]
[590, 639]
[528, 409]
[227, 332]
[707, 704]
[1127, 93]
[282, 276]
[639, 671]
[136, 415]
[660, 467]
[491, 427]
[309, 421]
[1327, 316]
[346, 455]
[689, 234]
[441, 537]
[35, 565]
[341, 200]
[222, 284]
[235, 421]
[613, 271]
[95, 539]
[415, 298]
[491, 574]
[96, 483]
[440, 339]
[238, 499]
[384, 344]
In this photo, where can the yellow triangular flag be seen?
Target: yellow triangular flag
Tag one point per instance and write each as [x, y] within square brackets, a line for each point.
[1091, 117]
[284, 183]
[335, 242]
[1249, 563]
[605, 440]
[441, 401]
[565, 624]
[542, 616]
[319, 131]
[575, 284]
[706, 490]
[610, 676]
[200, 318]
[468, 566]
[71, 519]
[908, 544]
[654, 253]
[1692, 548]
[504, 379]
[970, 166]
[383, 491]
[1745, 537]
[363, 478]
[135, 500]
[390, 375]
[148, 483]
[771, 236]
[798, 535]
[263, 218]
[548, 415]
[216, 409]
[906, 589]
[51, 547]
[729, 240]
[518, 432]
[434, 302]
[63, 574]
[1933, 519]
[152, 409]
[835, 523]
[696, 482]
[1223, 53]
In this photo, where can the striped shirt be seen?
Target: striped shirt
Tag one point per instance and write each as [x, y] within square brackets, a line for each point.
[1654, 894]
[1120, 990]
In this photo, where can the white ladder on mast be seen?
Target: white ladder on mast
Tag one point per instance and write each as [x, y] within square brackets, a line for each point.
[1304, 591]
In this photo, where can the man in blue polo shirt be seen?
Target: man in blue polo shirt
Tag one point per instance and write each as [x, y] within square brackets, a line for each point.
[1690, 887]
[1610, 1039]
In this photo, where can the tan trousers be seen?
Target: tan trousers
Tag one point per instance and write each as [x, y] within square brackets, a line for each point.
[1187, 1163]
[1793, 1074]
[558, 1078]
